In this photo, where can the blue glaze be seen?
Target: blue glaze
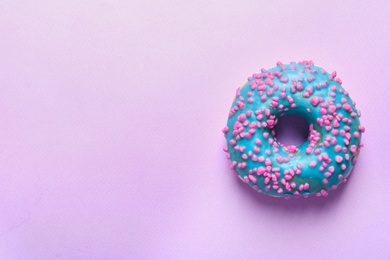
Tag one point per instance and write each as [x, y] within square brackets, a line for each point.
[318, 183]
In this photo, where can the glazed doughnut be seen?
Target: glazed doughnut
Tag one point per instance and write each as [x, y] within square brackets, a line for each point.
[318, 165]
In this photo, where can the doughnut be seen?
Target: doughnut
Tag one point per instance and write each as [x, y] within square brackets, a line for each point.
[318, 165]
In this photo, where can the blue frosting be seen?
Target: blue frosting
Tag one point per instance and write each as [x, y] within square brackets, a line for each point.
[314, 167]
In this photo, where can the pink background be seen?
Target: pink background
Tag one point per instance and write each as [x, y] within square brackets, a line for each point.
[111, 115]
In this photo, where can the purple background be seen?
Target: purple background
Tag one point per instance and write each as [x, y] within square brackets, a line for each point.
[111, 115]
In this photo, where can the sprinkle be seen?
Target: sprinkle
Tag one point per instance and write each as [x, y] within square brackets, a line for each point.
[337, 148]
[339, 159]
[252, 178]
[314, 101]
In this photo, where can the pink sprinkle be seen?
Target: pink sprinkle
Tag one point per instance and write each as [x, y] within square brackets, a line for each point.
[339, 159]
[337, 148]
[306, 186]
[314, 101]
[353, 148]
[266, 180]
[347, 107]
[270, 122]
[266, 135]
[261, 171]
[259, 117]
[268, 162]
[313, 164]
[331, 169]
[256, 149]
[252, 178]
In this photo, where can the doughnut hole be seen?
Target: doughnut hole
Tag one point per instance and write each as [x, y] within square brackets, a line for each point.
[291, 130]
